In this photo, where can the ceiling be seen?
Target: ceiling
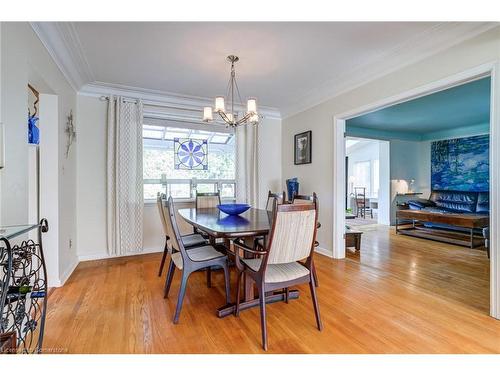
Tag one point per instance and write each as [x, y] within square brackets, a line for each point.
[459, 106]
[286, 65]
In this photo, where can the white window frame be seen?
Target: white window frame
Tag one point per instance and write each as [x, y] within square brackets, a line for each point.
[192, 186]
[191, 181]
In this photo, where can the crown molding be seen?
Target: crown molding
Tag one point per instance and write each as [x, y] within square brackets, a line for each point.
[423, 45]
[62, 42]
[163, 98]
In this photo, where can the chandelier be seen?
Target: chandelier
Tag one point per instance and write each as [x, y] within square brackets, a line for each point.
[230, 116]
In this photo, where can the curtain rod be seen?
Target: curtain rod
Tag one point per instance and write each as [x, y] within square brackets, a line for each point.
[152, 104]
[189, 121]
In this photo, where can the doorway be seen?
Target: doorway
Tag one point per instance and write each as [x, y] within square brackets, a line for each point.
[368, 182]
[340, 152]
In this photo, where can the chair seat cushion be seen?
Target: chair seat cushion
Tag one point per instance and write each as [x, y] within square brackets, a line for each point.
[197, 254]
[278, 273]
[193, 240]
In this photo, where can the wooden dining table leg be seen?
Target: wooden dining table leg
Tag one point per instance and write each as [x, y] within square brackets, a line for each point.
[249, 284]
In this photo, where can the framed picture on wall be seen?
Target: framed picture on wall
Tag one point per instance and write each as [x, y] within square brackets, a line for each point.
[303, 148]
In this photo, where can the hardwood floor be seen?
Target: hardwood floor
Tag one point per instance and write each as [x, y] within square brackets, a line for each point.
[117, 306]
[453, 272]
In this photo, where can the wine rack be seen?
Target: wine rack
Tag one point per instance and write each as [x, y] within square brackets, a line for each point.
[23, 286]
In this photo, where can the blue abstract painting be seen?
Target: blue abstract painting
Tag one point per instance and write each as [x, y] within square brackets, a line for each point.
[461, 164]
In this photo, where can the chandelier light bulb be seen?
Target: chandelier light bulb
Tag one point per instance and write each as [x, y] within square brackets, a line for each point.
[252, 105]
[207, 114]
[219, 104]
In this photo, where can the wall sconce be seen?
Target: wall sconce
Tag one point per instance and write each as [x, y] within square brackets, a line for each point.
[70, 132]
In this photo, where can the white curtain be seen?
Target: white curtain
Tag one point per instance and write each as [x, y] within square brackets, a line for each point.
[247, 176]
[125, 200]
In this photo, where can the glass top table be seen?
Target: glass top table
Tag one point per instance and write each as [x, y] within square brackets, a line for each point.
[12, 231]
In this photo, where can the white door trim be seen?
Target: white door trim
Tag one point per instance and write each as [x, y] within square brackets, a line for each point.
[339, 120]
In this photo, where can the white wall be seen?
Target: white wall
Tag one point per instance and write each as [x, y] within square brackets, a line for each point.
[269, 159]
[318, 176]
[384, 196]
[49, 186]
[25, 60]
[91, 179]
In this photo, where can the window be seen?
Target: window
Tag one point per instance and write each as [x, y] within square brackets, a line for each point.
[362, 176]
[366, 174]
[159, 171]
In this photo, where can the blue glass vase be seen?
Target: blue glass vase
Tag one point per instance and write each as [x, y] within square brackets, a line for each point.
[292, 186]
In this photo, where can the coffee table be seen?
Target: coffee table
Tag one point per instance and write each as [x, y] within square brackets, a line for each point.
[414, 218]
[353, 238]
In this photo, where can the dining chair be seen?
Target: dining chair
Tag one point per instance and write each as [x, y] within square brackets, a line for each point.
[189, 260]
[273, 199]
[207, 200]
[302, 199]
[361, 204]
[280, 198]
[189, 240]
[291, 239]
[307, 199]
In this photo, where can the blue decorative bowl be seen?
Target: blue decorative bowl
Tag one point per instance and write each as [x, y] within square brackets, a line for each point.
[233, 209]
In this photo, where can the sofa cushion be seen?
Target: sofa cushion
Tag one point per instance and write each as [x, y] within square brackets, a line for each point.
[418, 204]
[455, 201]
[483, 203]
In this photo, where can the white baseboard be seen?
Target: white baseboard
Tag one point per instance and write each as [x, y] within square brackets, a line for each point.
[323, 251]
[65, 276]
[105, 255]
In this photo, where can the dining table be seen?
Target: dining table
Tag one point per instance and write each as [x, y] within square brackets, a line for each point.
[252, 224]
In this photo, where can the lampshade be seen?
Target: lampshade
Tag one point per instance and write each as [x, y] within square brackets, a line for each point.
[252, 105]
[207, 114]
[219, 104]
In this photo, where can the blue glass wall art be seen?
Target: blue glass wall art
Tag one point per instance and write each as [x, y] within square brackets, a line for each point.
[461, 164]
[33, 131]
[191, 154]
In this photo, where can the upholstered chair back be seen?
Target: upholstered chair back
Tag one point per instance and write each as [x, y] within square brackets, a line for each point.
[271, 197]
[171, 224]
[160, 200]
[301, 201]
[207, 200]
[307, 199]
[293, 233]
